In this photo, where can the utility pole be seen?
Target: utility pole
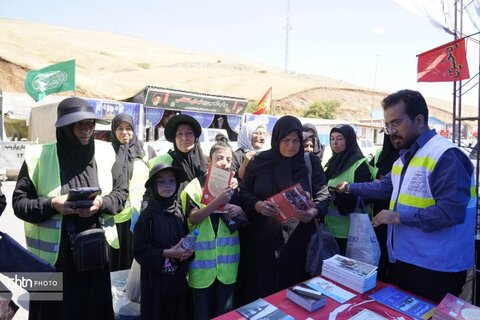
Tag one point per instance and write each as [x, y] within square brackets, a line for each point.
[373, 90]
[287, 31]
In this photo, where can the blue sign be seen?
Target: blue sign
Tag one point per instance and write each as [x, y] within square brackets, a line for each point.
[269, 121]
[110, 109]
[234, 122]
[205, 119]
[153, 116]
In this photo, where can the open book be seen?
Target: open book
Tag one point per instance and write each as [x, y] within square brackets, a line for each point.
[290, 200]
[217, 181]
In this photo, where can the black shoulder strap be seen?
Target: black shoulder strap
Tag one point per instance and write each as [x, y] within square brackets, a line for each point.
[308, 163]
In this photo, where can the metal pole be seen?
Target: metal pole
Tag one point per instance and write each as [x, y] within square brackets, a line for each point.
[287, 32]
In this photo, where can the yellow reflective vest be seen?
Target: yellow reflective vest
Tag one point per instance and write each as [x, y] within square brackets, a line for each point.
[43, 239]
[136, 189]
[339, 224]
[215, 257]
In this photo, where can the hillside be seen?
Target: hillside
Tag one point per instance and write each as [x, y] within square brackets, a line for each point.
[115, 67]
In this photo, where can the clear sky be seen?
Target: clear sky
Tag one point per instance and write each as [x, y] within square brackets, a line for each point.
[340, 39]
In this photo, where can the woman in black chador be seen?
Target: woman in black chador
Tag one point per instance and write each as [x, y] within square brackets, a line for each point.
[40, 199]
[134, 157]
[276, 253]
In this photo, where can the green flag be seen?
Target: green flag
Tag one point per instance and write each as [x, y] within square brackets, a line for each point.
[55, 78]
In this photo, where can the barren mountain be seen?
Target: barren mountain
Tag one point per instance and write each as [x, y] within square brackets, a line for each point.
[115, 67]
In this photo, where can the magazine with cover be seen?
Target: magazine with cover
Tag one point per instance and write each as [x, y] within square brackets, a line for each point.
[452, 307]
[330, 289]
[217, 181]
[405, 303]
[262, 310]
[290, 200]
[354, 267]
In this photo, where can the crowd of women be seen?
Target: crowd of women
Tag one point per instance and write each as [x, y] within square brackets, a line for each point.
[154, 201]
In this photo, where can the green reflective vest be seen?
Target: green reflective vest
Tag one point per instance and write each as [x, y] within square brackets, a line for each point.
[136, 189]
[339, 224]
[215, 257]
[43, 239]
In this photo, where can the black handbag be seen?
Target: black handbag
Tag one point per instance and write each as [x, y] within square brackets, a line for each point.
[89, 249]
[322, 245]
[15, 258]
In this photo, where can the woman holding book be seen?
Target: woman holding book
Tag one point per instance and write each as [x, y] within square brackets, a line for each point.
[276, 256]
[346, 164]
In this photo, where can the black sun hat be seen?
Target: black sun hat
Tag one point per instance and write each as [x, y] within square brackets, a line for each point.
[180, 176]
[175, 121]
[73, 110]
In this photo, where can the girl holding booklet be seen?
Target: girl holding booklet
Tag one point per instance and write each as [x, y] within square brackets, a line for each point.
[213, 272]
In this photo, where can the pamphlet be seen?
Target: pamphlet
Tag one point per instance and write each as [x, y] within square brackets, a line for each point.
[354, 274]
[330, 290]
[404, 303]
[261, 309]
[455, 308]
[289, 200]
[217, 181]
[366, 314]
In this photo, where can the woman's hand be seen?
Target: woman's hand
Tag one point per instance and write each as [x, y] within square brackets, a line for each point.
[306, 216]
[62, 206]
[233, 210]
[88, 212]
[267, 208]
[178, 252]
[234, 183]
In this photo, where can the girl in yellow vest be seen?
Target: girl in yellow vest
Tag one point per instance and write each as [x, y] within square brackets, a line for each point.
[346, 164]
[158, 237]
[213, 272]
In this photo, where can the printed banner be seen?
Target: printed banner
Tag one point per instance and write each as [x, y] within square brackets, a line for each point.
[189, 101]
[109, 109]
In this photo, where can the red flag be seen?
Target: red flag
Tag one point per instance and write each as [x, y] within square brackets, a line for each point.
[444, 63]
[264, 103]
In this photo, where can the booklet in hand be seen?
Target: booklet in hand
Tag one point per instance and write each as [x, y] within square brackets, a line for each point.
[290, 200]
[83, 197]
[217, 181]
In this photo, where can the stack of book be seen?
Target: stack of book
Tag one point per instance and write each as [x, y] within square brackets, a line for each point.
[354, 274]
[306, 297]
[452, 307]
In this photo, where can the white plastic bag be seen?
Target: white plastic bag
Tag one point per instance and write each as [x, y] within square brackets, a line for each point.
[362, 242]
[132, 289]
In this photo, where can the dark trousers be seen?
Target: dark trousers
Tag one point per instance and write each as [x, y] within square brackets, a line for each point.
[430, 284]
[218, 297]
[342, 245]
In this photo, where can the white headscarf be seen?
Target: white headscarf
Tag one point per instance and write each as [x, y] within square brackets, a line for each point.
[244, 140]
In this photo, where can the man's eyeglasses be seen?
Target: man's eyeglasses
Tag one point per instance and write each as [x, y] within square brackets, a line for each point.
[391, 128]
